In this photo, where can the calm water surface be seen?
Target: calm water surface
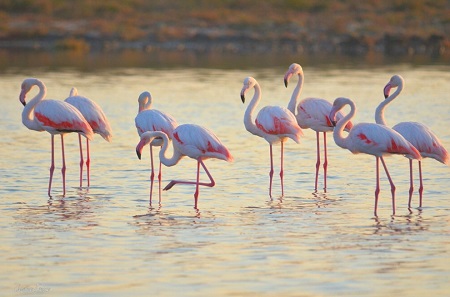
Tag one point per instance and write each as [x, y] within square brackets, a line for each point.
[108, 241]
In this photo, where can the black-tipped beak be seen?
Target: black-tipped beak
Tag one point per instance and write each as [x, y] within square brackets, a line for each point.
[24, 103]
[385, 96]
[138, 153]
[243, 98]
[285, 82]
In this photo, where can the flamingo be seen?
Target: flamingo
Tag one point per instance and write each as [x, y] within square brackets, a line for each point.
[190, 140]
[153, 120]
[53, 116]
[373, 139]
[426, 142]
[312, 113]
[273, 123]
[96, 118]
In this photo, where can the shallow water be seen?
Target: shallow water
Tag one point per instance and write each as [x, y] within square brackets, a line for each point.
[108, 241]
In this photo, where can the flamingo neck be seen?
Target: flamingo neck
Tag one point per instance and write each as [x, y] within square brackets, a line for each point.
[296, 94]
[340, 126]
[28, 118]
[248, 117]
[168, 161]
[379, 112]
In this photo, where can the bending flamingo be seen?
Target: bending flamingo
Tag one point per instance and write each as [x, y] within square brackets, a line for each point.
[273, 123]
[312, 113]
[189, 140]
[423, 139]
[53, 116]
[96, 118]
[153, 120]
[372, 139]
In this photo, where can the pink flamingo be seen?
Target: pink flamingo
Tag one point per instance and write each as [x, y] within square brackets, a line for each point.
[153, 120]
[189, 140]
[273, 123]
[423, 139]
[312, 113]
[96, 118]
[372, 139]
[53, 116]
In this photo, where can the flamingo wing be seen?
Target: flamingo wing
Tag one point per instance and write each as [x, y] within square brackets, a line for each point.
[155, 120]
[380, 140]
[199, 142]
[314, 113]
[426, 142]
[278, 120]
[94, 114]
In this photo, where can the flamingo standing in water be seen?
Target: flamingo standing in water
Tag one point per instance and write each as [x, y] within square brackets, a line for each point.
[153, 120]
[273, 123]
[423, 139]
[189, 140]
[53, 116]
[372, 139]
[312, 113]
[96, 118]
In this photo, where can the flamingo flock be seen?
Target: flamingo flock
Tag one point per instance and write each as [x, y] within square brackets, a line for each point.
[276, 124]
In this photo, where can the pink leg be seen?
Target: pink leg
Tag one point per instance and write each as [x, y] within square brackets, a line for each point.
[318, 160]
[392, 185]
[421, 184]
[270, 172]
[152, 173]
[88, 163]
[159, 180]
[325, 163]
[52, 166]
[211, 183]
[411, 182]
[81, 160]
[63, 169]
[377, 188]
[282, 170]
[196, 186]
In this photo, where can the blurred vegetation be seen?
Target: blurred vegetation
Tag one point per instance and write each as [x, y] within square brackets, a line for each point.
[162, 20]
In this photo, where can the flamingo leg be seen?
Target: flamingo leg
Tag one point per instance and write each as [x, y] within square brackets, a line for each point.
[421, 184]
[81, 160]
[411, 183]
[159, 180]
[63, 169]
[211, 183]
[377, 188]
[318, 160]
[52, 166]
[88, 163]
[325, 162]
[282, 169]
[197, 184]
[270, 172]
[152, 173]
[392, 185]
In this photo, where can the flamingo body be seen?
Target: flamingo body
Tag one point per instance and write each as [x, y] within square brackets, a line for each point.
[53, 116]
[190, 140]
[273, 123]
[419, 135]
[312, 113]
[149, 119]
[372, 139]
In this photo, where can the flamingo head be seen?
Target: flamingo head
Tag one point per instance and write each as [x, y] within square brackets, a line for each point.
[27, 84]
[147, 138]
[249, 82]
[338, 104]
[145, 101]
[293, 69]
[73, 92]
[394, 82]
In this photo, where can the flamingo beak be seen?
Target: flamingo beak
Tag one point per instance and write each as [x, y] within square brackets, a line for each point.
[243, 97]
[22, 97]
[138, 153]
[387, 90]
[286, 79]
[139, 149]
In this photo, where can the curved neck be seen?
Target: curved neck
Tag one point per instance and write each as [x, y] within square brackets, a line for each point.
[296, 94]
[248, 117]
[145, 102]
[379, 112]
[168, 161]
[28, 118]
[340, 126]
